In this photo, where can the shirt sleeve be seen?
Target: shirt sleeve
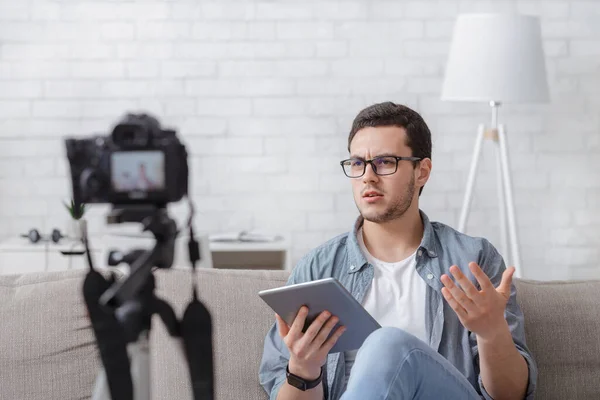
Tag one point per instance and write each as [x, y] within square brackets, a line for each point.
[275, 353]
[493, 265]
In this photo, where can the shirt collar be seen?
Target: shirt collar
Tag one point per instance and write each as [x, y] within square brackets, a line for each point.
[357, 259]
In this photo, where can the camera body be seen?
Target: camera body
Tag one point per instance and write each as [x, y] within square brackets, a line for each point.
[137, 163]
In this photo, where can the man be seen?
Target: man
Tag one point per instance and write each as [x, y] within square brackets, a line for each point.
[143, 181]
[441, 338]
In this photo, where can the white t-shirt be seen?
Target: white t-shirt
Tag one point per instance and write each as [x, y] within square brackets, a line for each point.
[396, 297]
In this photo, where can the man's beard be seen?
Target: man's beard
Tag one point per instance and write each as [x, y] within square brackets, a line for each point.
[396, 209]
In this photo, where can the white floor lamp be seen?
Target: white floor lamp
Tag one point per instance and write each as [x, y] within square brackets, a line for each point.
[496, 58]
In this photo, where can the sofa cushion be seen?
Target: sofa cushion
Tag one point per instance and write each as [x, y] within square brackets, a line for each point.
[47, 348]
[562, 326]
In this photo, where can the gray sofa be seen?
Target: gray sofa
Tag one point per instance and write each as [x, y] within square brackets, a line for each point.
[47, 349]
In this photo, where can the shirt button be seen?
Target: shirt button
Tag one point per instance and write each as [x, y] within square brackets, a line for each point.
[420, 252]
[429, 276]
[352, 268]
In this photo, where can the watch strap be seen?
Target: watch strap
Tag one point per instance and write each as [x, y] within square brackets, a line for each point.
[301, 383]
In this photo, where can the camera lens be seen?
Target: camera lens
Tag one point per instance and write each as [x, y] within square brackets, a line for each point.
[90, 184]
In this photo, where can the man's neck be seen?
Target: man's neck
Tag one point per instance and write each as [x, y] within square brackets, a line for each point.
[394, 240]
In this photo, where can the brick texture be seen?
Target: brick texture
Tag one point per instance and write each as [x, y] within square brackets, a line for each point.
[264, 93]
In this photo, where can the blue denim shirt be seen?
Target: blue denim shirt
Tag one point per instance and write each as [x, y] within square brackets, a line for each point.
[441, 247]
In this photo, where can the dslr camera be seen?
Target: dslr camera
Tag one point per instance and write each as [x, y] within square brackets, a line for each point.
[138, 163]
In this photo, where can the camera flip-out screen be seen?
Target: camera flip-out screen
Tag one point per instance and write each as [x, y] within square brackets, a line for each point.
[138, 170]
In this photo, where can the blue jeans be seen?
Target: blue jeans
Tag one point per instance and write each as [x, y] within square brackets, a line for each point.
[393, 364]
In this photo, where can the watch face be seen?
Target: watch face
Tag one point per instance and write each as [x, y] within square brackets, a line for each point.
[295, 382]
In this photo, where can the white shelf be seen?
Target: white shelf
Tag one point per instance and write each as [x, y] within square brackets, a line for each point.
[18, 255]
[280, 245]
[19, 244]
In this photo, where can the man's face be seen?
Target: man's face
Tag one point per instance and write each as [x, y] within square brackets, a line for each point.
[383, 198]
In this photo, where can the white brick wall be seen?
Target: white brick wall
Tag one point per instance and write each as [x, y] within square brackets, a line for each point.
[264, 94]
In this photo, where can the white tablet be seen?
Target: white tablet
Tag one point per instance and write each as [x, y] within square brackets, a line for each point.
[320, 295]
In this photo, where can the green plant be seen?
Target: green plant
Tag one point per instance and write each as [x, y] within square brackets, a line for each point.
[75, 212]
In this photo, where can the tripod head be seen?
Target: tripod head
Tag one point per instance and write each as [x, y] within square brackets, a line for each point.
[156, 220]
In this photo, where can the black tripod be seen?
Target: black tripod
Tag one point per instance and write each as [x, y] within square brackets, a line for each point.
[121, 313]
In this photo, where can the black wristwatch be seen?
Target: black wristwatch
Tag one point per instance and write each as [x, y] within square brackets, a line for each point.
[301, 383]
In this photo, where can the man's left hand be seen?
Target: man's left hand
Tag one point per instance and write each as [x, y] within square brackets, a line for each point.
[480, 311]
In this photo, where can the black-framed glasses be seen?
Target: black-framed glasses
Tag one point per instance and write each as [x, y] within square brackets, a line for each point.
[383, 165]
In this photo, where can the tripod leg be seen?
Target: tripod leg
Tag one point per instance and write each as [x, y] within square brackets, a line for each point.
[512, 225]
[140, 367]
[140, 373]
[462, 224]
[101, 390]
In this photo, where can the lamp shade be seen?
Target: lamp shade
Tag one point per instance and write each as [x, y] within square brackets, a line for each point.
[496, 57]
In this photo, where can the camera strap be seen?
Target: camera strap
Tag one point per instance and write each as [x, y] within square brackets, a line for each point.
[196, 331]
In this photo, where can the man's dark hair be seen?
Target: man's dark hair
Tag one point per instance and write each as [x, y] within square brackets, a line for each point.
[391, 114]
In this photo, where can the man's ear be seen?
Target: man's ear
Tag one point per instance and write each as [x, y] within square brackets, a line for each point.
[423, 171]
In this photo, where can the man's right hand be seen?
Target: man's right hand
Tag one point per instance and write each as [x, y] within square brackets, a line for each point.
[308, 350]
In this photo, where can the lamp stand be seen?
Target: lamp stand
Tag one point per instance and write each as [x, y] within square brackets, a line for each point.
[506, 205]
